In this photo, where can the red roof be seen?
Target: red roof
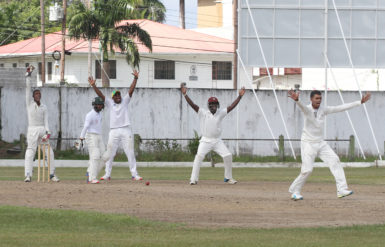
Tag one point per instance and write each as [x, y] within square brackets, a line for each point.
[165, 39]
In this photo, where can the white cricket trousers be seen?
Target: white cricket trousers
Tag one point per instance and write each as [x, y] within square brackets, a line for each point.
[220, 148]
[34, 135]
[124, 136]
[96, 149]
[309, 151]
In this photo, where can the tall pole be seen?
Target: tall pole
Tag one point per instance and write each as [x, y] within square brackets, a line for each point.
[182, 22]
[235, 60]
[89, 50]
[325, 61]
[42, 42]
[63, 42]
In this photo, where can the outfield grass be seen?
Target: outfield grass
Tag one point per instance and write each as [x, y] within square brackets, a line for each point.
[21, 226]
[371, 175]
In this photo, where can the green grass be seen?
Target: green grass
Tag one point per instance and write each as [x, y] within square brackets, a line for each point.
[371, 175]
[21, 226]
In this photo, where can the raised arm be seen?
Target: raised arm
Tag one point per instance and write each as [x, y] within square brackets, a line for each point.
[347, 106]
[133, 84]
[295, 96]
[183, 89]
[92, 82]
[236, 101]
[28, 93]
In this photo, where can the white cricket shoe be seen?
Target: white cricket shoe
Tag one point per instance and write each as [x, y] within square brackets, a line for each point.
[94, 181]
[136, 178]
[230, 180]
[27, 179]
[296, 197]
[344, 193]
[106, 178]
[54, 178]
[193, 182]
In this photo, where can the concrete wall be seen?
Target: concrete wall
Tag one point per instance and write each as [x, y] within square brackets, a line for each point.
[163, 113]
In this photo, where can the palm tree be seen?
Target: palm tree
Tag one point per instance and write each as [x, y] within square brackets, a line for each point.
[103, 22]
[152, 10]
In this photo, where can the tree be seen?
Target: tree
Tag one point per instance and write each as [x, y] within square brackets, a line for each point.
[151, 10]
[104, 22]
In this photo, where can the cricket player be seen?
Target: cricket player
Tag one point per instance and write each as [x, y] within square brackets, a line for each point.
[120, 128]
[38, 129]
[210, 125]
[313, 144]
[92, 132]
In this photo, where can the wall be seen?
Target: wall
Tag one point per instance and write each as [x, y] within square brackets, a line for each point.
[163, 113]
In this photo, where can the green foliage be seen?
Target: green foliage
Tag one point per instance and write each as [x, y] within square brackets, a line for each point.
[104, 22]
[20, 19]
[193, 144]
[167, 150]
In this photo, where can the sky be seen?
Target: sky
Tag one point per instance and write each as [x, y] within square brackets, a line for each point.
[172, 13]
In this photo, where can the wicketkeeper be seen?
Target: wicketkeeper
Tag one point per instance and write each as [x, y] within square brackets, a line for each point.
[92, 132]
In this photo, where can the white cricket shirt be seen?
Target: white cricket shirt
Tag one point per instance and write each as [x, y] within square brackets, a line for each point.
[211, 125]
[119, 116]
[313, 129]
[92, 124]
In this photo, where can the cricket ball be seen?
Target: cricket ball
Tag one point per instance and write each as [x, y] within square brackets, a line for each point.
[147, 183]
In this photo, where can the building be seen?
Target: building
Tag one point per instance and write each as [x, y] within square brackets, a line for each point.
[178, 55]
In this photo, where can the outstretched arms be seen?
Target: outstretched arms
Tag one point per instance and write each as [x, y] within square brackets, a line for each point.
[183, 89]
[347, 106]
[295, 96]
[28, 92]
[133, 84]
[236, 101]
[92, 82]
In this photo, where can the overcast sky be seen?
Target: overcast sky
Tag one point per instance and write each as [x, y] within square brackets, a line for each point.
[172, 13]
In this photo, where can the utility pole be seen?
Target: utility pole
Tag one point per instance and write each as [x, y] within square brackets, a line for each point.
[63, 42]
[235, 62]
[89, 49]
[42, 42]
[182, 22]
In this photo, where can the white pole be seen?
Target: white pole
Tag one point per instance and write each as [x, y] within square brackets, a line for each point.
[270, 79]
[256, 97]
[343, 102]
[355, 78]
[325, 63]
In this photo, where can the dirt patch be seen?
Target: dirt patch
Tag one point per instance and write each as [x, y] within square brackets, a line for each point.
[208, 204]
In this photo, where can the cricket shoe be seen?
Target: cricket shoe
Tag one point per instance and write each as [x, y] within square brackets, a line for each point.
[344, 193]
[296, 197]
[88, 177]
[94, 181]
[136, 178]
[53, 178]
[105, 178]
[230, 180]
[27, 179]
[193, 182]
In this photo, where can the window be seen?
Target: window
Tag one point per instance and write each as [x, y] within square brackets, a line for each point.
[26, 65]
[263, 71]
[1, 65]
[49, 71]
[221, 70]
[293, 71]
[112, 69]
[164, 70]
[14, 65]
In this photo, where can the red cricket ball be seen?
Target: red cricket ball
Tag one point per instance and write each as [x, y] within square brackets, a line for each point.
[147, 183]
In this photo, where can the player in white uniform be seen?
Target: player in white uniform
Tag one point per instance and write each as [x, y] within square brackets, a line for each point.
[92, 132]
[120, 128]
[38, 129]
[313, 144]
[210, 125]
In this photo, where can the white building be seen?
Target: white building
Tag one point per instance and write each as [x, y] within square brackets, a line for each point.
[178, 55]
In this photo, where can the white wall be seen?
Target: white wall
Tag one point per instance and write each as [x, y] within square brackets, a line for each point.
[163, 113]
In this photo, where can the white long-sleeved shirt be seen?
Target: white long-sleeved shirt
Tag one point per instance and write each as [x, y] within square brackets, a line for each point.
[92, 124]
[119, 116]
[37, 115]
[211, 125]
[313, 129]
